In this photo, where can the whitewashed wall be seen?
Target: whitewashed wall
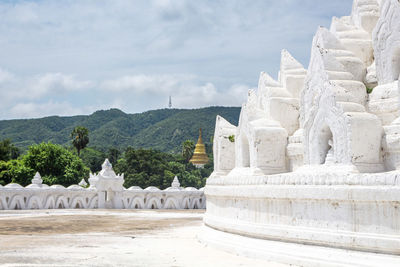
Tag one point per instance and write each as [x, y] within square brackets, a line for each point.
[106, 187]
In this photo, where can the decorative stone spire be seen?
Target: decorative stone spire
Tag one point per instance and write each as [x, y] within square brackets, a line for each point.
[175, 183]
[107, 178]
[37, 179]
[199, 158]
[107, 170]
[106, 165]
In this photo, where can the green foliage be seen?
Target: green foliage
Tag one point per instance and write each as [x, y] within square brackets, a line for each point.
[169, 134]
[153, 133]
[80, 138]
[4, 175]
[142, 167]
[93, 158]
[232, 138]
[56, 164]
[8, 151]
[154, 168]
[187, 149]
[15, 171]
[164, 129]
[369, 90]
[113, 155]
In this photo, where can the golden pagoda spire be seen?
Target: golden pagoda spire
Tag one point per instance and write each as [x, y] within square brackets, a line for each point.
[200, 140]
[199, 158]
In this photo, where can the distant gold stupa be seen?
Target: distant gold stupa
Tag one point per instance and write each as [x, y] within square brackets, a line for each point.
[199, 158]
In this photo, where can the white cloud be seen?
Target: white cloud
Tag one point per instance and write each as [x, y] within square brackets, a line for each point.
[13, 87]
[36, 110]
[5, 76]
[143, 83]
[186, 90]
[47, 94]
[170, 9]
[86, 55]
[62, 94]
[56, 83]
[24, 12]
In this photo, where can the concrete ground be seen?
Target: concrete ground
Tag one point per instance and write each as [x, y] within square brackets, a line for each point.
[109, 238]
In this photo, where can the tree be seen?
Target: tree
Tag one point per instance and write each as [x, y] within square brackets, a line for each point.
[55, 163]
[8, 151]
[146, 167]
[113, 155]
[187, 149]
[93, 158]
[14, 171]
[80, 138]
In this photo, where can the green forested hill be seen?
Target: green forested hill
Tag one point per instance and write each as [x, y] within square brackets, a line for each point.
[163, 129]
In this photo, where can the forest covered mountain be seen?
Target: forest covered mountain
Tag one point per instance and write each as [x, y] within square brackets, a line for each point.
[163, 129]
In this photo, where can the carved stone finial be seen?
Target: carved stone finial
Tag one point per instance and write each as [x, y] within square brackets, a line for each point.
[106, 179]
[175, 183]
[106, 165]
[37, 179]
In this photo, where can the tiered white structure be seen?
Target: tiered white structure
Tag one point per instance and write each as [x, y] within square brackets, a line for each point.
[105, 191]
[315, 159]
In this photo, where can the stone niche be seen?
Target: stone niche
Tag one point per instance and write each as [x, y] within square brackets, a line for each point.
[337, 128]
[260, 142]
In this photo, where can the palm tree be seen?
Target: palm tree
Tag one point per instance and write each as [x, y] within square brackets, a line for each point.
[80, 138]
[187, 149]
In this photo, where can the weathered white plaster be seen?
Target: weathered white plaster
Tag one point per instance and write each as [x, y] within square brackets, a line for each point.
[224, 146]
[354, 31]
[340, 189]
[106, 191]
[371, 81]
[318, 206]
[260, 142]
[291, 74]
[269, 116]
[280, 99]
[386, 39]
[365, 14]
[295, 151]
[294, 254]
[384, 101]
[332, 110]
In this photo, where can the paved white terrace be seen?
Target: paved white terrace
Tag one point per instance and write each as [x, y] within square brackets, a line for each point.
[109, 238]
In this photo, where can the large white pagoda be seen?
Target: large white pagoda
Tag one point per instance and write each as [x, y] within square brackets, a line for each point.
[312, 176]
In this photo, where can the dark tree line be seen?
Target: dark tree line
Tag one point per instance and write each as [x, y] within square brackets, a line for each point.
[68, 165]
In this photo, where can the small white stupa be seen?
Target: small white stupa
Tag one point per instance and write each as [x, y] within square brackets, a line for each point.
[175, 183]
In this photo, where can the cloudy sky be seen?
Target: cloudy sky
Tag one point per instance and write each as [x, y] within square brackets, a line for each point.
[70, 57]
